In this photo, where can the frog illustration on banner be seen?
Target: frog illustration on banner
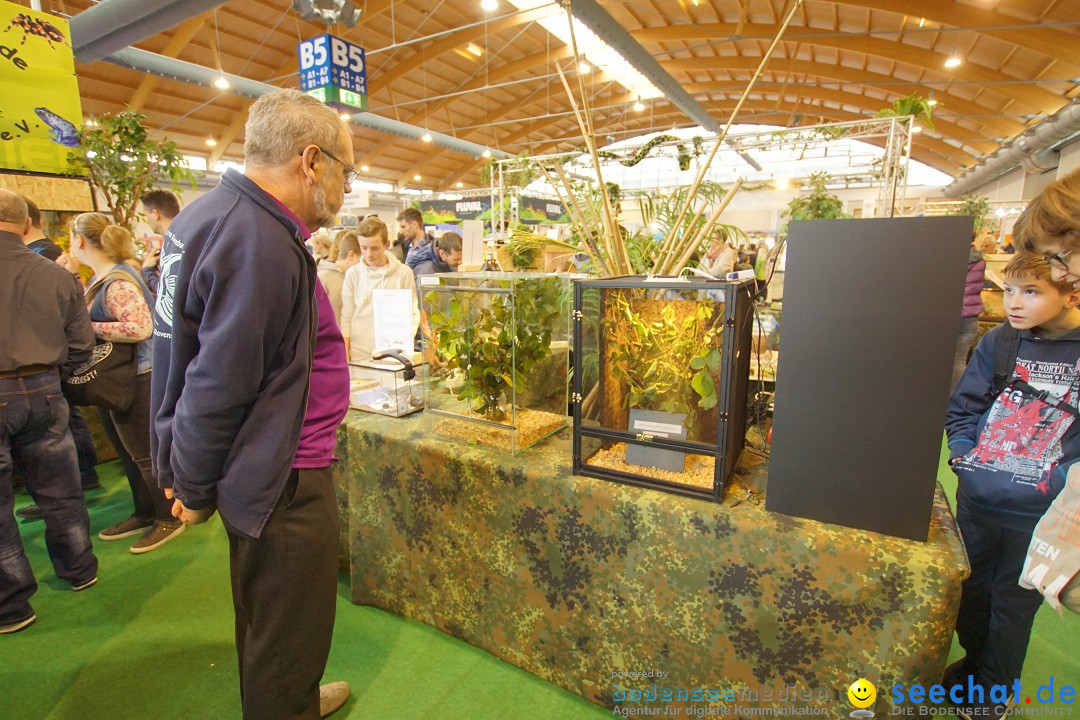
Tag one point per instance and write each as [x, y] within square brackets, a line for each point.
[62, 131]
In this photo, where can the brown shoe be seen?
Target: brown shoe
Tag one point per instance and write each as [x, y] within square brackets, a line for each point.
[161, 533]
[332, 696]
[132, 526]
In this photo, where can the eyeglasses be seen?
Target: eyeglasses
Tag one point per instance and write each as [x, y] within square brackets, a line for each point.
[1058, 262]
[351, 173]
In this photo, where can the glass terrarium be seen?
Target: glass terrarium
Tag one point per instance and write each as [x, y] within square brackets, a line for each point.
[387, 383]
[660, 381]
[497, 346]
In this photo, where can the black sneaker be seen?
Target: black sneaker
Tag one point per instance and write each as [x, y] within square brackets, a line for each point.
[132, 526]
[161, 533]
[17, 625]
[82, 586]
[30, 512]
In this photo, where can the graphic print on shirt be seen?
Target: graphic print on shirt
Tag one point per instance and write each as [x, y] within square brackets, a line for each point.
[1023, 434]
[172, 251]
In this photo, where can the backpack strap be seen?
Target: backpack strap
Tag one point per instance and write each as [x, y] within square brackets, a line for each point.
[1008, 347]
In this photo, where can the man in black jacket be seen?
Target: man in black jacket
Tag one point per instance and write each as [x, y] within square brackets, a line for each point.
[44, 334]
[250, 383]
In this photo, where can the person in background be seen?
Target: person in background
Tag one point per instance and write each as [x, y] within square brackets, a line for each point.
[378, 269]
[80, 432]
[720, 258]
[119, 305]
[320, 246]
[35, 239]
[344, 253]
[44, 335]
[160, 207]
[1011, 450]
[411, 234]
[969, 314]
[441, 256]
[250, 385]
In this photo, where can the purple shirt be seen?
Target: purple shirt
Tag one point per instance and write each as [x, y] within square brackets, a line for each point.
[328, 385]
[328, 394]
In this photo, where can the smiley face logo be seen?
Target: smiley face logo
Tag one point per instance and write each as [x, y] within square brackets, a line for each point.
[862, 693]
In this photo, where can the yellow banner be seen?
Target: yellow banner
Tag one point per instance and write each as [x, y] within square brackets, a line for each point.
[40, 109]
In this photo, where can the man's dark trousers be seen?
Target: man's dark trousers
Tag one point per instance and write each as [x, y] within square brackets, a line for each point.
[284, 594]
[34, 437]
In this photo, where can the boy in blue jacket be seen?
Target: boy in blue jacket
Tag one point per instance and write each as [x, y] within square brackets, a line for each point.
[1011, 451]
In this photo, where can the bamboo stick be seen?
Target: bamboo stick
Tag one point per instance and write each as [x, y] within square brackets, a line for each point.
[699, 236]
[611, 222]
[572, 209]
[731, 119]
[612, 241]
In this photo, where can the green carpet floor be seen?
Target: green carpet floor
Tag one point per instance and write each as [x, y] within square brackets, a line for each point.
[153, 640]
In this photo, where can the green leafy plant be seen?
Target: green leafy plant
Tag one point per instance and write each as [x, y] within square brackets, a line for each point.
[476, 332]
[124, 161]
[914, 105]
[818, 204]
[668, 365]
[978, 208]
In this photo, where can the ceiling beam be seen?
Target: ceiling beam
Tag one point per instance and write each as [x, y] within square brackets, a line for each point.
[1056, 43]
[180, 39]
[1036, 97]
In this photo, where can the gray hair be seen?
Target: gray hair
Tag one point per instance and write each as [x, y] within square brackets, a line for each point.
[281, 124]
[13, 208]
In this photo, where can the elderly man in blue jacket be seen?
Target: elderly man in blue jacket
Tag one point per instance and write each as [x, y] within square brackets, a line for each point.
[250, 383]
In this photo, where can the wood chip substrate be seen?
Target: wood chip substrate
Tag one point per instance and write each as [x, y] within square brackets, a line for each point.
[532, 425]
[698, 473]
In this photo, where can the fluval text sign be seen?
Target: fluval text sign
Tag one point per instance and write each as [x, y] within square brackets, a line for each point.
[335, 67]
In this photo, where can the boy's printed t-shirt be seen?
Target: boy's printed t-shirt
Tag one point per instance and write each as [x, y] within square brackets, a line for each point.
[1024, 444]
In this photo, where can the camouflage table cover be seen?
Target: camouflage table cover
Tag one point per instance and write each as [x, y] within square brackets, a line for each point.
[621, 594]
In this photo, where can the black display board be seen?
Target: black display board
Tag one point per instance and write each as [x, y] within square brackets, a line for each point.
[871, 314]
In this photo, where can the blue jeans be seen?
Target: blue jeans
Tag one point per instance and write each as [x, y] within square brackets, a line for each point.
[34, 438]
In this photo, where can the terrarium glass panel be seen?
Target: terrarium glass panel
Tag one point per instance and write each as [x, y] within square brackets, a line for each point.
[386, 386]
[660, 375]
[497, 345]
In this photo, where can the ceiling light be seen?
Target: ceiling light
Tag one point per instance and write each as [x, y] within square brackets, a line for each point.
[584, 67]
[426, 137]
[489, 5]
[415, 177]
[363, 168]
[931, 102]
[781, 183]
[487, 153]
[1000, 212]
[922, 22]
[460, 184]
[695, 2]
[221, 82]
[954, 60]
[211, 141]
[639, 106]
[475, 49]
[346, 117]
[916, 128]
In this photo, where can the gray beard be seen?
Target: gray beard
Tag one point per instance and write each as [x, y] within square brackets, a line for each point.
[324, 214]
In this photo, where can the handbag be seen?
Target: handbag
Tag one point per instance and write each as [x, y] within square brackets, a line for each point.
[1052, 565]
[107, 379]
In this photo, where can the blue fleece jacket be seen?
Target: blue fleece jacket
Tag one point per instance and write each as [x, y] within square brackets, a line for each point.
[234, 325]
[1016, 448]
[424, 261]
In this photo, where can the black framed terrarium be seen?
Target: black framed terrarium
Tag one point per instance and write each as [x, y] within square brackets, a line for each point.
[660, 381]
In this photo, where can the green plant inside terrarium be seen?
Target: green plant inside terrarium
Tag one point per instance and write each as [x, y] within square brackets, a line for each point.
[668, 364]
[475, 335]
